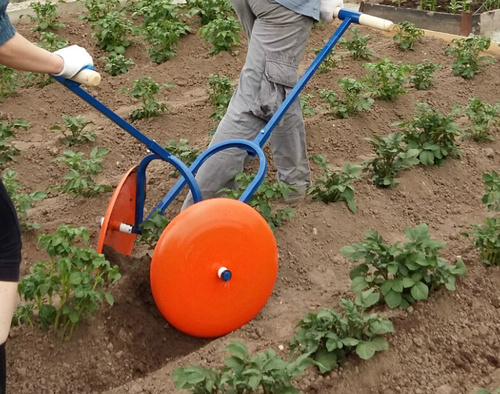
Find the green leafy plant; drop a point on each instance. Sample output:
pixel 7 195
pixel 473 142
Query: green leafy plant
pixel 23 314
pixel 8 81
pixel 408 36
pixel 79 276
pixel 98 9
pixel 223 34
pixel 79 181
pixel 357 45
pixel 458 7
pixel 486 239
pixel 402 274
pixel 329 63
pixel 220 95
pixel 117 64
pixel 356 98
pixel 491 195
pixel 209 10
pixel 22 201
pixel 51 41
pixel 430 5
pixel 152 228
pixel 111 32
pixel 482 117
pixel 262 198
pixel 45 15
pixel 466 52
pixel 243 373
pixel 484 391
pixel 330 337
pixel 392 157
pixel 183 151
pixel 145 89
pixel 386 79
pixel 432 133
pixel 8 150
pixel 422 74
pixel 335 186
pixel 307 110
pixel 73 130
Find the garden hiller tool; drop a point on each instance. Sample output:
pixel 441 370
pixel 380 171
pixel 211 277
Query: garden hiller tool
pixel 215 264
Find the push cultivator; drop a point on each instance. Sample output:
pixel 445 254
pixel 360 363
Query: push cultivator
pixel 215 264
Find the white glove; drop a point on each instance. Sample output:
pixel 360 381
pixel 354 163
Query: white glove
pixel 74 58
pixel 327 7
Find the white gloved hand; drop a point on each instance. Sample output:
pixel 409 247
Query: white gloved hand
pixel 74 58
pixel 327 7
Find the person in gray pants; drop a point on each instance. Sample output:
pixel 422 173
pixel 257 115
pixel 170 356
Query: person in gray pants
pixel 277 31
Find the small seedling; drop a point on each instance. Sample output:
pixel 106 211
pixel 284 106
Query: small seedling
pixel 98 9
pixel 117 64
pixel 358 45
pixel 386 79
pixel 45 15
pixel 22 201
pixel 329 62
pixel 146 89
pixel 422 74
pixel 392 157
pixel 330 337
pixel 183 152
pixel 482 117
pixel 403 274
pixel 8 150
pixel 466 52
pixel 307 110
pixel 73 130
pixel 223 34
pixel 51 41
pixel 356 98
pixel 486 239
pixel 335 186
pixel 261 199
pixel 243 373
pixel 408 36
pixel 492 191
pixel 432 133
pixel 76 276
pixel 220 95
pixel 79 181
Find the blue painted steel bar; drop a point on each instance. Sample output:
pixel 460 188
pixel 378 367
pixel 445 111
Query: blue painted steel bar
pixel 152 145
pixel 265 133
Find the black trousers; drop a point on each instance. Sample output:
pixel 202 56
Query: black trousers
pixel 10 239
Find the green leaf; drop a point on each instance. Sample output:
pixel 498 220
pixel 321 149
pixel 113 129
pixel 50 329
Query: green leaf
pixel 365 350
pixel 358 284
pixel 426 158
pixel 419 291
pixel 393 299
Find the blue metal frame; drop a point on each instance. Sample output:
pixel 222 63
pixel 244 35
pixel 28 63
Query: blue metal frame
pixel 253 148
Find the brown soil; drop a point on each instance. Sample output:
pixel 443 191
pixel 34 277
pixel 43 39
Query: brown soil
pixel 447 344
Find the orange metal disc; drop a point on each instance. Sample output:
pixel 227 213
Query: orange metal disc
pixel 121 209
pixel 195 248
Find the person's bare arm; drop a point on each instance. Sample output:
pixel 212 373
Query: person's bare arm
pixel 21 54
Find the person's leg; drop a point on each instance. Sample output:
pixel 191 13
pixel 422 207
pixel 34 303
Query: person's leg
pixel 277 42
pixel 10 259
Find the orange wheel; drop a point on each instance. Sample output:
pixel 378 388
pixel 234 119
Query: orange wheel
pixel 214 267
pixel 121 209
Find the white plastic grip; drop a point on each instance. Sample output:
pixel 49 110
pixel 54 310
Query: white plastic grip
pixel 87 77
pixel 371 21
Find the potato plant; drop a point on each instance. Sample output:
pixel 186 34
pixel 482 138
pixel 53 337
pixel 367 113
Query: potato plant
pixel 357 45
pixel 386 79
pixel 262 198
pixel 209 10
pixel 222 89
pixel 98 9
pixel 335 186
pixel 244 373
pixel 491 195
pixel 73 131
pixel 356 98
pixel 486 239
pixel 8 81
pixel 223 34
pixel 408 36
pixel 402 274
pixel 45 16
pixel 330 61
pixel 307 110
pixel 80 179
pixel 483 118
pixel 432 133
pixel 151 229
pixel 111 32
pixel 466 52
pixel 392 156
pixel 71 285
pixel 117 64
pixel 8 150
pixel 330 337
pixel 422 74
pixel 183 151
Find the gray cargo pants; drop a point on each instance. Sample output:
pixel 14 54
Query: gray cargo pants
pixel 277 40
